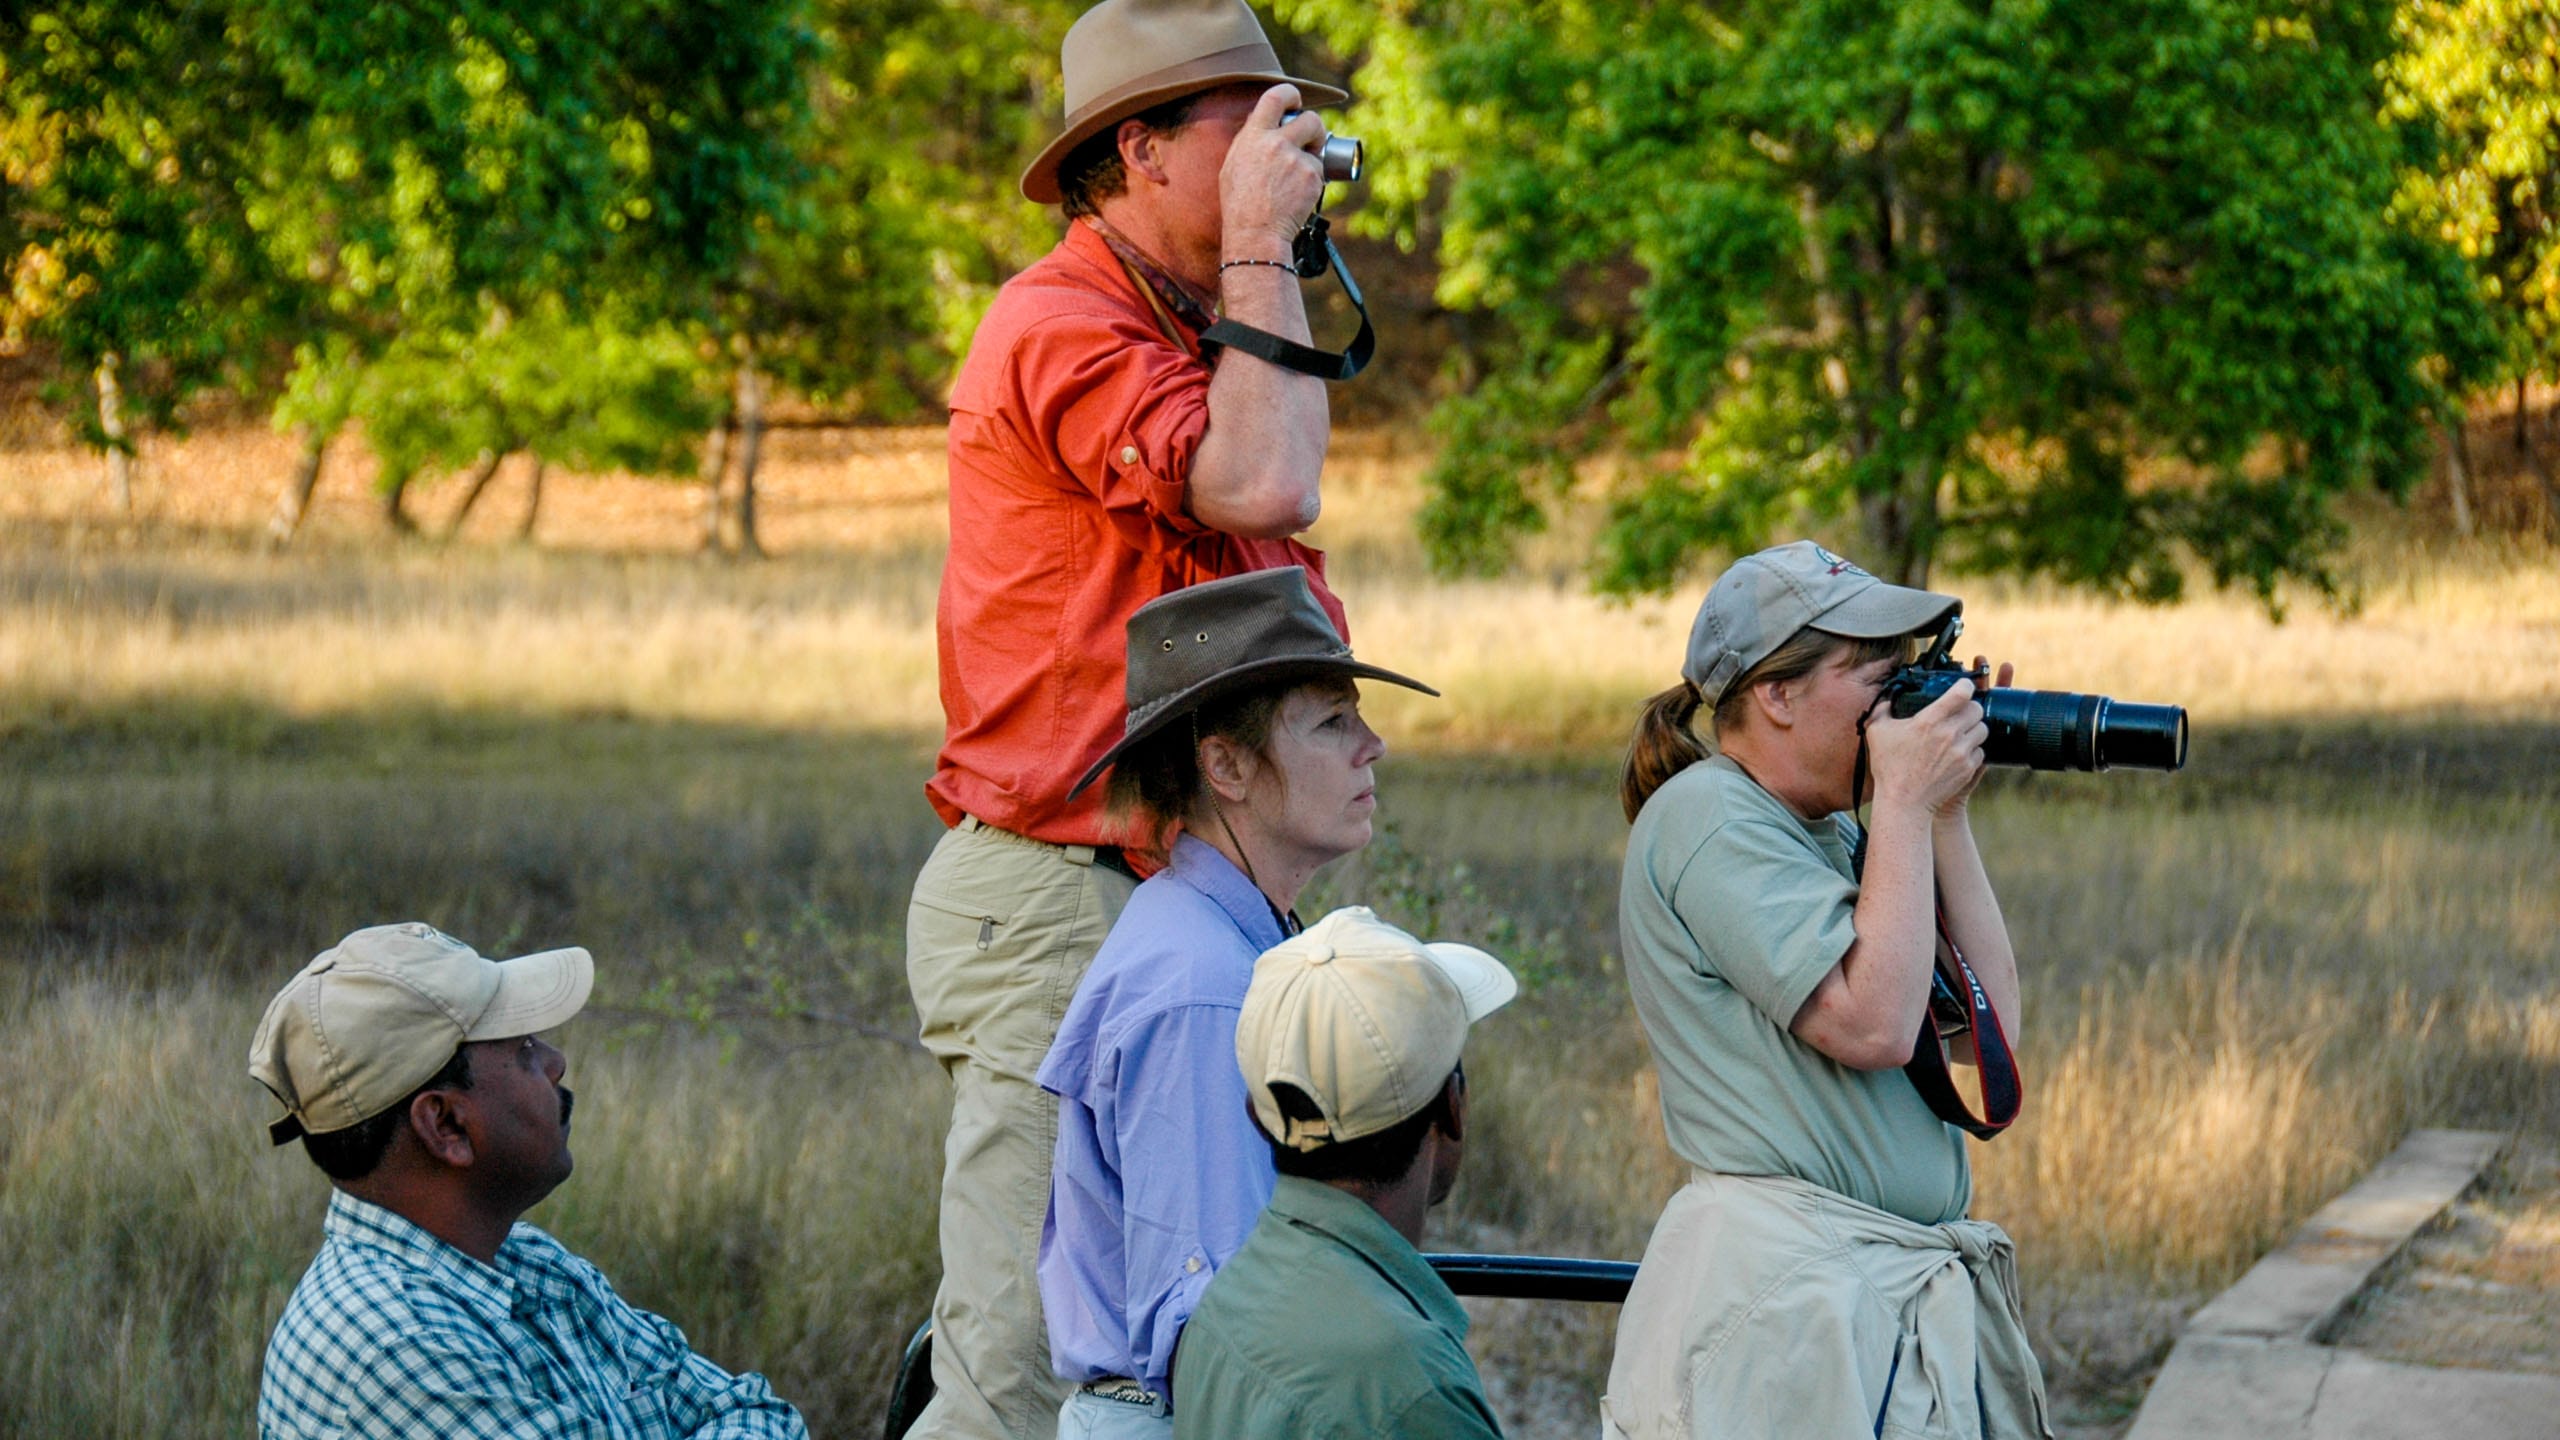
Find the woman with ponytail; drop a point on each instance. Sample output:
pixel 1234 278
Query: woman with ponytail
pixel 1818 1275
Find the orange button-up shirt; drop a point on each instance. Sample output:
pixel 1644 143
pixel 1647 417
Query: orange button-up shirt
pixel 1073 426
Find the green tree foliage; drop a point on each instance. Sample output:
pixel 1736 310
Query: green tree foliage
pixel 2478 84
pixel 863 289
pixel 128 134
pixel 2475 89
pixel 498 178
pixel 860 290
pixel 2069 287
pixel 583 394
pixel 472 152
pixel 224 189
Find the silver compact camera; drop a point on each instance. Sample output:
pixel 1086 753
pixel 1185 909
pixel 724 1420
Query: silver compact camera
pixel 1341 155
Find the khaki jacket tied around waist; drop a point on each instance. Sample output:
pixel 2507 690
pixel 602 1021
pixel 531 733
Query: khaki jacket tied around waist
pixel 1770 1307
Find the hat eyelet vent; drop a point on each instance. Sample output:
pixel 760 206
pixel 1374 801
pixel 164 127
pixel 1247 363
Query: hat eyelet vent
pixel 1168 645
pixel 1200 639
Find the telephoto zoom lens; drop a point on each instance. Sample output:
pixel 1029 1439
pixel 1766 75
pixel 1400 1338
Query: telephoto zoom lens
pixel 2057 730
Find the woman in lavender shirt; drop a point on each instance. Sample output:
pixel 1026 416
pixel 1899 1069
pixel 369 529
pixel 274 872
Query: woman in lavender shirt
pixel 1246 766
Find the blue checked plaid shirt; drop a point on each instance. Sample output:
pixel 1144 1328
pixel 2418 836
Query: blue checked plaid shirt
pixel 395 1333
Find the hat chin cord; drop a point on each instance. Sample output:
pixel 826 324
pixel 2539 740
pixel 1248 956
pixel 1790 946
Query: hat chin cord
pixel 1200 763
pixel 1288 918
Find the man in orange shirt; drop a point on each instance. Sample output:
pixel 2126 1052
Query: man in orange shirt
pixel 1098 460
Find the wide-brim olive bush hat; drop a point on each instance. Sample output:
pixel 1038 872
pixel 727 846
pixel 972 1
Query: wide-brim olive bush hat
pixel 1198 643
pixel 376 1015
pixel 1124 56
pixel 1754 607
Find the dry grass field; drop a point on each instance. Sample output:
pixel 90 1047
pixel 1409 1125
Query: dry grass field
pixel 2245 981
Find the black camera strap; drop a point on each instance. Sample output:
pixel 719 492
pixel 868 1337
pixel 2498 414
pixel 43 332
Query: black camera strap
pixel 1310 255
pixel 1952 1009
pixel 1957 1004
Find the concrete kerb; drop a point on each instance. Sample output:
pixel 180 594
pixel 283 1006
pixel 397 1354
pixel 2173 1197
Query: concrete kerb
pixel 2254 1362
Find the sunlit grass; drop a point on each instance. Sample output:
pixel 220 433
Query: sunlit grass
pixel 153 1237
pixel 845 642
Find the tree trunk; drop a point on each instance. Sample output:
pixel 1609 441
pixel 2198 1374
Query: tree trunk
pixel 1901 526
pixel 482 470
pixel 1920 527
pixel 294 500
pixel 715 469
pixel 111 425
pixel 532 501
pixel 1887 533
pixel 750 446
pixel 395 513
pixel 2457 465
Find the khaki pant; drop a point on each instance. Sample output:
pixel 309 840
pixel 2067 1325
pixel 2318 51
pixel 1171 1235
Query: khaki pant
pixel 1116 1410
pixel 1000 930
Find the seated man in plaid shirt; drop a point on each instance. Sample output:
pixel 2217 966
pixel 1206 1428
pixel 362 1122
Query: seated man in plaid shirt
pixel 414 1074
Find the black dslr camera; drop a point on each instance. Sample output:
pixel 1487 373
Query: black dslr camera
pixel 2045 729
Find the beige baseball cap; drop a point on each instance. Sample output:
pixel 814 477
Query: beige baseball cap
pixel 1362 1017
pixel 1755 606
pixel 378 1014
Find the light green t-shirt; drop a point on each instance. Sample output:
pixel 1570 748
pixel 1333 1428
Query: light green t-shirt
pixel 1731 911
pixel 1327 1325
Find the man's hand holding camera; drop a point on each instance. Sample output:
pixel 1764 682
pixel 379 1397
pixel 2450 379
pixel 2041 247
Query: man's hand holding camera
pixel 1272 180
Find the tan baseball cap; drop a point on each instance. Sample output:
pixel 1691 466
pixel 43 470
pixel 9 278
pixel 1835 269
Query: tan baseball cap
pixel 1363 1018
pixel 377 1015
pixel 1124 56
pixel 1755 606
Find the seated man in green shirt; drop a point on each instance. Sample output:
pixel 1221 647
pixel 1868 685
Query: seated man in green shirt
pixel 1328 1323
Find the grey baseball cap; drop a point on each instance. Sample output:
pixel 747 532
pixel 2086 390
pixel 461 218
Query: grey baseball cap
pixel 1763 599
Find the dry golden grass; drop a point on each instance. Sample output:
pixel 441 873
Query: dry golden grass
pixel 2244 982
pixel 842 637
pixel 153 1240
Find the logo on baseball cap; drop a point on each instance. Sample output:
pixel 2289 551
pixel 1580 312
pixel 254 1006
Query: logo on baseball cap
pixel 1765 598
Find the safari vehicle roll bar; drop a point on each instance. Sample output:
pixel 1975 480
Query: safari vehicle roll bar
pixel 1505 1277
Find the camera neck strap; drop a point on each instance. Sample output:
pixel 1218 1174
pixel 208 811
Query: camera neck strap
pixel 1311 254
pixel 1957 1005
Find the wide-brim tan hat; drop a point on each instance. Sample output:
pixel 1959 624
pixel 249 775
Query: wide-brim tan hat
pixel 1364 1020
pixel 375 1016
pixel 1198 643
pixel 1754 607
pixel 1123 56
